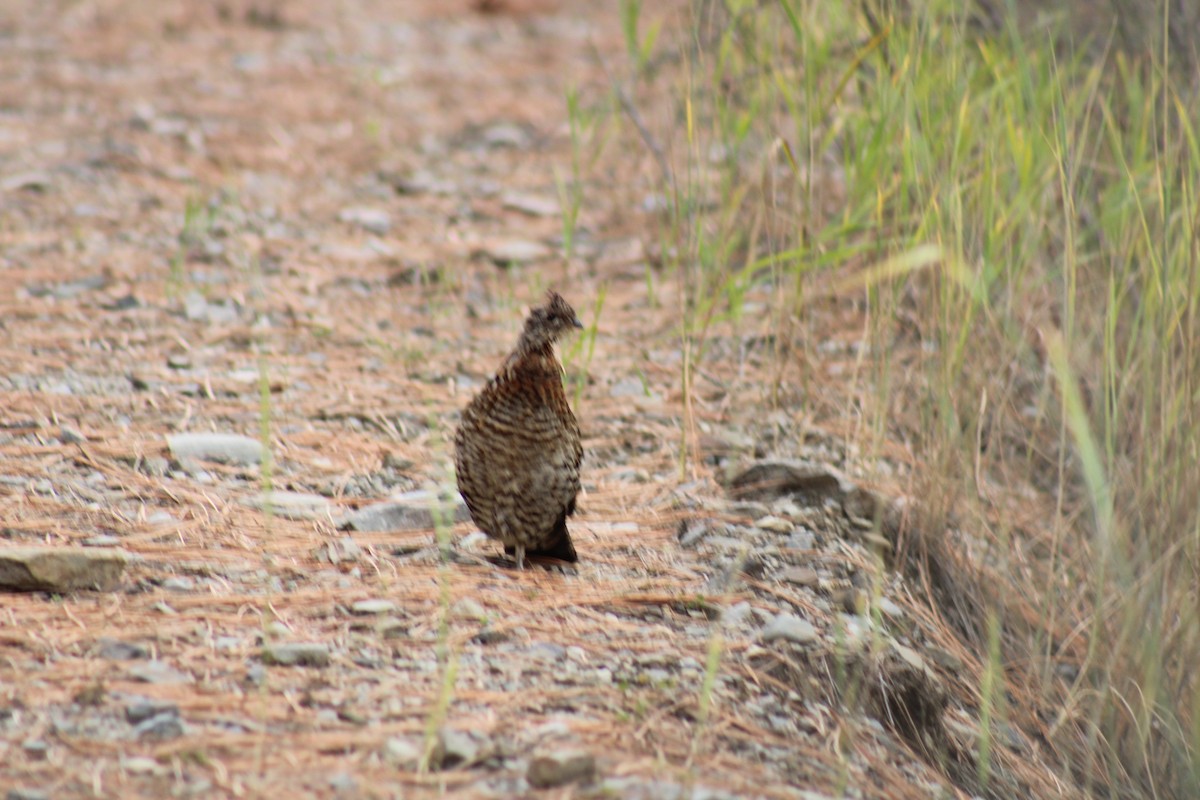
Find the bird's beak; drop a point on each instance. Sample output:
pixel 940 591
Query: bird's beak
pixel 578 324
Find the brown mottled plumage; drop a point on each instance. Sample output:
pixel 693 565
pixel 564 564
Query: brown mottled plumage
pixel 517 451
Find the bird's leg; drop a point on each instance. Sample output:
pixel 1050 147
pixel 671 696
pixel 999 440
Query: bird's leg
pixel 520 556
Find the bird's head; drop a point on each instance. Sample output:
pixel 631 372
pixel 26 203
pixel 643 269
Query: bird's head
pixel 547 324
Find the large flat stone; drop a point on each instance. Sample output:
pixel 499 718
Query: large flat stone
pixel 409 511
pixel 224 448
pixel 292 505
pixel 60 569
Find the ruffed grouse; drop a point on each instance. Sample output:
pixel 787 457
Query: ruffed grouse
pixel 517 451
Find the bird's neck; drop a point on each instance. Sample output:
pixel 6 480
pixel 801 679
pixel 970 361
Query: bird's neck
pixel 532 358
pixel 533 345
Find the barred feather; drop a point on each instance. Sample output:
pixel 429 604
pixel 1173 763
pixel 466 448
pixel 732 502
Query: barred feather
pixel 517 450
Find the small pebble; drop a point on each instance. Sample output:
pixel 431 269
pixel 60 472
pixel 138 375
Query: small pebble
pixel 801 576
pixel 404 753
pixel 790 627
pixel 159 728
pixel 774 524
pixel 560 768
pixel 469 609
pixel 179 583
pixel 143 708
pixel 158 672
pixel 369 607
pixel 303 654
pixel 27 794
pixel 35 749
pixel 454 749
pixel 117 650
pixel 343 783
pixel 140 765
pixel 69 435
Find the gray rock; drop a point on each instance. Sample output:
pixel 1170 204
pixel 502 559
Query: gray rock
pixel 256 675
pixel 408 511
pixel 298 654
pixel 374 220
pixel 633 788
pixel 856 630
pixel 159 728
pixel 728 544
pixel 546 651
pixel 472 540
pixel 123 303
pixel 454 749
pixel 344 549
pixel 343 784
pixel 69 435
pixel 27 181
pixel 467 608
pixel 488 635
pixel 226 644
pixel 802 540
pixel 505 252
pixel 655 676
pixel 140 709
pixel 404 753
pixel 532 204
pixel 629 475
pixel 910 656
pixel 158 672
pixel 221 312
pixel 691 531
pixel 117 650
pixel 889 608
pixel 801 576
pixel 506 134
pixel 807 484
pixel 736 615
pixel 27 794
pixel 35 749
pixel 424 182
pixel 392 628
pixel 774 524
pixel 368 607
pixel 560 768
pixel 69 289
pixel 104 540
pixel 292 505
pixel 195 306
pixel 179 583
pixel 790 627
pixel 155 467
pixel 142 765
pixel 224 448
pixel 60 569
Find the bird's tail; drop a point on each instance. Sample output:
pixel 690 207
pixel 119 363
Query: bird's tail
pixel 557 545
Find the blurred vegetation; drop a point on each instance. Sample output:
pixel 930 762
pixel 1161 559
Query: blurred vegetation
pixel 1008 191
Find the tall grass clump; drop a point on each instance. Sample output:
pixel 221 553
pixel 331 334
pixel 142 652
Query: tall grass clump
pixel 1014 213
